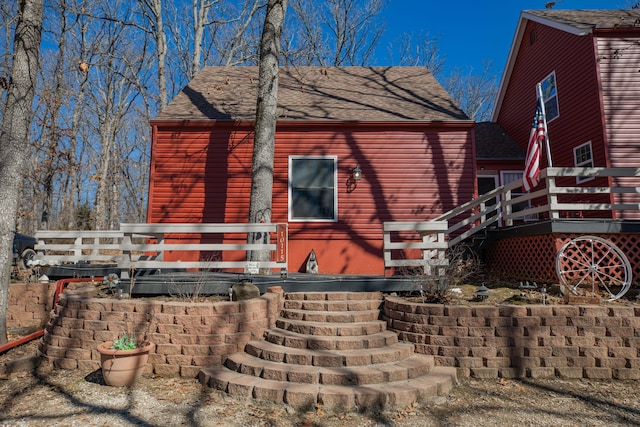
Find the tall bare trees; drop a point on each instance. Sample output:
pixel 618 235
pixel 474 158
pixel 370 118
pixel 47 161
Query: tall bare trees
pixel 14 142
pixel 335 32
pixel 110 66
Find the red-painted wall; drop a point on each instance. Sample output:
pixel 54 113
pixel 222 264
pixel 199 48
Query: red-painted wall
pixel 580 120
pixel 573 58
pixel 201 172
pixel 619 66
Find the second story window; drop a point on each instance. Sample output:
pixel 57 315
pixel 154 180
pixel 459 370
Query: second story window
pixel 583 158
pixel 550 95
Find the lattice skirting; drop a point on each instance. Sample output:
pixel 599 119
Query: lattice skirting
pixel 533 257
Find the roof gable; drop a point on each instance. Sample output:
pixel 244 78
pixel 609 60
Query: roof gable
pixel 356 94
pixel 576 22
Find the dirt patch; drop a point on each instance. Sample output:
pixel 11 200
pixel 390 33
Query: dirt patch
pixel 35 395
pixel 466 295
pixel 44 397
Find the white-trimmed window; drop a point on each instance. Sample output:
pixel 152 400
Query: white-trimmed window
pixel 583 158
pixel 313 193
pixel 550 95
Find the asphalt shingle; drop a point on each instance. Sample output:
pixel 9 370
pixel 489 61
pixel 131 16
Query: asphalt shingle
pixel 352 94
pixel 589 19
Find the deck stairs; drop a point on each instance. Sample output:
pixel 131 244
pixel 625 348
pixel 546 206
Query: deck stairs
pixel 331 350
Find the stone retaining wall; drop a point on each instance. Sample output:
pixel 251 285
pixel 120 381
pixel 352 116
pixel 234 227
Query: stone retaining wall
pixel 29 305
pixel 187 336
pixel 523 341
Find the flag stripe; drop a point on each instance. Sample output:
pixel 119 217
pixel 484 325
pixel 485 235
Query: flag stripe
pixel 536 139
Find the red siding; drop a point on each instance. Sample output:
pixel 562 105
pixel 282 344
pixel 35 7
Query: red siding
pixel 409 173
pixel 580 120
pixel 619 63
pixel 572 58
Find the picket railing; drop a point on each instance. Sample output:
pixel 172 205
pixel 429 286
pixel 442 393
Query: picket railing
pixel 557 196
pixel 162 246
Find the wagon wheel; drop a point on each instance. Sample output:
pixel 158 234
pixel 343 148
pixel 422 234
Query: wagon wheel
pixel 591 265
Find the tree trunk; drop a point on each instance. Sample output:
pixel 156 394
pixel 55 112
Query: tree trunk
pixel 14 142
pixel 265 127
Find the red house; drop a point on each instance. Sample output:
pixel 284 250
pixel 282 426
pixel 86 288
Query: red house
pixel 396 125
pixel 588 64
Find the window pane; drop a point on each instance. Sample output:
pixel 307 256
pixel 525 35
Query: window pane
pixel 509 177
pixel 549 87
pixel 551 108
pixel 312 173
pixel 312 203
pixel 550 96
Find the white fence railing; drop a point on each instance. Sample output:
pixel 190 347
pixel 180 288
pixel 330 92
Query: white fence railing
pixel 163 246
pixel 612 192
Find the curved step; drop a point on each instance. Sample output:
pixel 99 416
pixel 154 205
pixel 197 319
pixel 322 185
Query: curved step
pixel 333 296
pixel 331 329
pixel 395 393
pixel 413 367
pixel 320 305
pixel 295 340
pixel 330 316
pixel 328 358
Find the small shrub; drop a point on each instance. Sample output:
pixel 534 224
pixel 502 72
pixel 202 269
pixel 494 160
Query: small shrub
pixel 436 287
pixel 124 343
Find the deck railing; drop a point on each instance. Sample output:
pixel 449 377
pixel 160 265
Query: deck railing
pixel 605 192
pixel 166 246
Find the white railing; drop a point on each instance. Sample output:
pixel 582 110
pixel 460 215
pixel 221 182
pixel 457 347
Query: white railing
pixel 557 196
pixel 161 246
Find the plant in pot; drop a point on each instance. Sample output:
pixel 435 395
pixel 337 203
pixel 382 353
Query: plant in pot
pixel 123 360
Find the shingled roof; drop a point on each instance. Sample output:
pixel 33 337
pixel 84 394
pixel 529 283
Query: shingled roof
pixel 590 19
pixel 493 143
pixel 353 94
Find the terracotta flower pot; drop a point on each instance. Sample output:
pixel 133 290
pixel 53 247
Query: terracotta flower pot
pixel 123 367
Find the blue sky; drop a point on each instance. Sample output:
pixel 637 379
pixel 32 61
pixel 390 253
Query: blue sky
pixel 470 32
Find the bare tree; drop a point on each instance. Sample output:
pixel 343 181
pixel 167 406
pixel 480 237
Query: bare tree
pixel 14 143
pixel 474 93
pixel 417 51
pixel 336 32
pixel 265 126
pixel 154 25
pixel 118 77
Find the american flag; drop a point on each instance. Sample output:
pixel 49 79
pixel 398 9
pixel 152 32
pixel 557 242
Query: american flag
pixel 536 140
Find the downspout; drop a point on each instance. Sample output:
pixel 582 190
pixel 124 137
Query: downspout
pixel 60 285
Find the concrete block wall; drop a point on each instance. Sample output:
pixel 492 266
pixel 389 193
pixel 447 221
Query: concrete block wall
pixel 589 341
pixel 29 305
pixel 187 336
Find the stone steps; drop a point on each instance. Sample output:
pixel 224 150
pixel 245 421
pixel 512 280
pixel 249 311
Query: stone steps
pixel 349 397
pixel 412 367
pixel 330 349
pixel 328 358
pixel 295 340
pixel 330 316
pixel 332 329
pixel 314 305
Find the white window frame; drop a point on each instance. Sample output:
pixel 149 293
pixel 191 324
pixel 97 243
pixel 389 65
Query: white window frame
pixel 335 189
pixel 547 99
pixel 584 163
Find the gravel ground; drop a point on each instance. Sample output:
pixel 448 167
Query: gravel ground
pixel 45 397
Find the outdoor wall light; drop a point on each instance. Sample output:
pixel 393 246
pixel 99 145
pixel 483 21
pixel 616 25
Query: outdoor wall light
pixel 357 173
